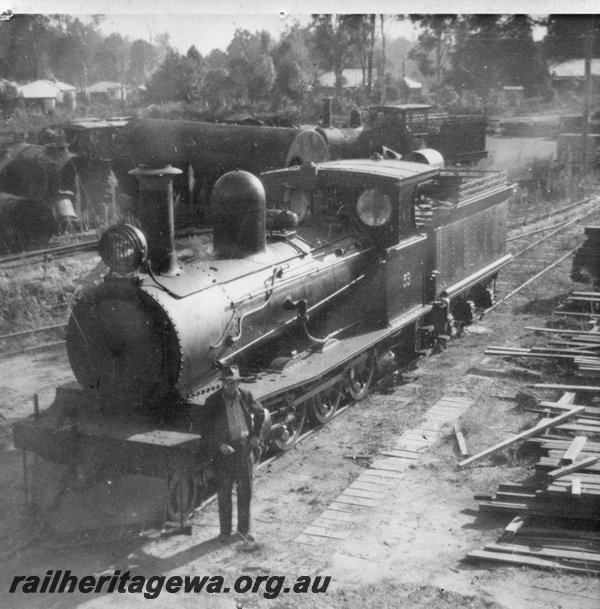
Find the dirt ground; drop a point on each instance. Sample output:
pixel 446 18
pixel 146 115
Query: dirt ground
pixel 407 552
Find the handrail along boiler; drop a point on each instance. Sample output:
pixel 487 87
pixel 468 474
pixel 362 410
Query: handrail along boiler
pixel 315 271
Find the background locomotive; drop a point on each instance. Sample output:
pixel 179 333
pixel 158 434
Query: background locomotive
pixel 37 186
pixel 204 151
pixel 57 186
pixel 315 272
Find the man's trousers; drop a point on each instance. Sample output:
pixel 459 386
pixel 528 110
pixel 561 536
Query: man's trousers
pixel 229 469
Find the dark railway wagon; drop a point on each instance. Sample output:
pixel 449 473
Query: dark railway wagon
pixel 315 271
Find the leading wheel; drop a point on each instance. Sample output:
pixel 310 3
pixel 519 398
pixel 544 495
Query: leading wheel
pixel 360 376
pixel 325 404
pixel 285 435
pixel 181 498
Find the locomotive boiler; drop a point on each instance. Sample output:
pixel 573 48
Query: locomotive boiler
pixel 315 271
pixel 205 151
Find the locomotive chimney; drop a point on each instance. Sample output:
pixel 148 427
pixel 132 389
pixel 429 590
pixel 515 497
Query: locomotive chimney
pixel 326 118
pixel 155 214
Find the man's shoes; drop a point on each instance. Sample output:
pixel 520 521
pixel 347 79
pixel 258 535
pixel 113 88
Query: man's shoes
pixel 223 537
pixel 247 537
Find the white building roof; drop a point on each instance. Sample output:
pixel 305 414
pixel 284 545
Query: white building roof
pixel 63 86
pixel 353 77
pixel 103 87
pixel 574 68
pixel 40 89
pixel 412 84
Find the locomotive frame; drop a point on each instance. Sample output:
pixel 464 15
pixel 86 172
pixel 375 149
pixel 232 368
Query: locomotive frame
pixel 292 305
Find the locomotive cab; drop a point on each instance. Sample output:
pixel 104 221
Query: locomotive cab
pixel 374 198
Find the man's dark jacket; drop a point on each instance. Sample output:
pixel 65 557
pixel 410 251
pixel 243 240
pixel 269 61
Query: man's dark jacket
pixel 216 424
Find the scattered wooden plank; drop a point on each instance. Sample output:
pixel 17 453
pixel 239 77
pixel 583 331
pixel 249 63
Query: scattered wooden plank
pixel 574 467
pixel 590 388
pixel 356 492
pixel 322 532
pixel 576 486
pixel 526 434
pixel 400 454
pixel 358 501
pixel 574 314
pixel 384 473
pixel 332 524
pixel 531 561
pixel 576 427
pixel 554 532
pixel 559 331
pixel 593 479
pixel 391 464
pixel 460 438
pixel 584 491
pixel 514 526
pixel 589 410
pixel 589 557
pixel 337 506
pixel 311 540
pixel 573 451
pixel 371 477
pixel 551 464
pixel 340 516
pixel 568 397
pixel 363 485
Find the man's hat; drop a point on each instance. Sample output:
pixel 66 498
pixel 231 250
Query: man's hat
pixel 231 373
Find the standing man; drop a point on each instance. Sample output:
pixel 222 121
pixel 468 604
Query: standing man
pixel 235 421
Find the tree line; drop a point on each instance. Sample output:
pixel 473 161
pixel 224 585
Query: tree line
pixel 455 54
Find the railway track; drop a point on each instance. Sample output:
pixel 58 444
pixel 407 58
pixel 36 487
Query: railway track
pixel 540 247
pixel 61 251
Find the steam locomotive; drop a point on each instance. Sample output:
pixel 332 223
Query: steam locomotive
pixel 315 272
pixel 37 186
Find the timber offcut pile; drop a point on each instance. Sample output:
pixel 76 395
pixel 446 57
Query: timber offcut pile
pixel 556 516
pixel 579 348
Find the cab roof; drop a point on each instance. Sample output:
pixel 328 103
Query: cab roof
pixel 352 172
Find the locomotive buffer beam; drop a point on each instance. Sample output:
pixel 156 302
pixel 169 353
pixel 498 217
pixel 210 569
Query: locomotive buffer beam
pixel 134 446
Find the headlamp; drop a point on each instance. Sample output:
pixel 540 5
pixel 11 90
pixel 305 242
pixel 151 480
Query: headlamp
pixel 123 248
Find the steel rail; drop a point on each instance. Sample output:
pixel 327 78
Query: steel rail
pixel 555 212
pixel 548 267
pixel 61 250
pixel 558 230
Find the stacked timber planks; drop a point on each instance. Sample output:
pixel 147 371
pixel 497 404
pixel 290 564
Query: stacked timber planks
pixel 546 543
pixel 564 493
pixel 578 347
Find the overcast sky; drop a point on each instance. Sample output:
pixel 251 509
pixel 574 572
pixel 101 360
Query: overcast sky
pixel 210 24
